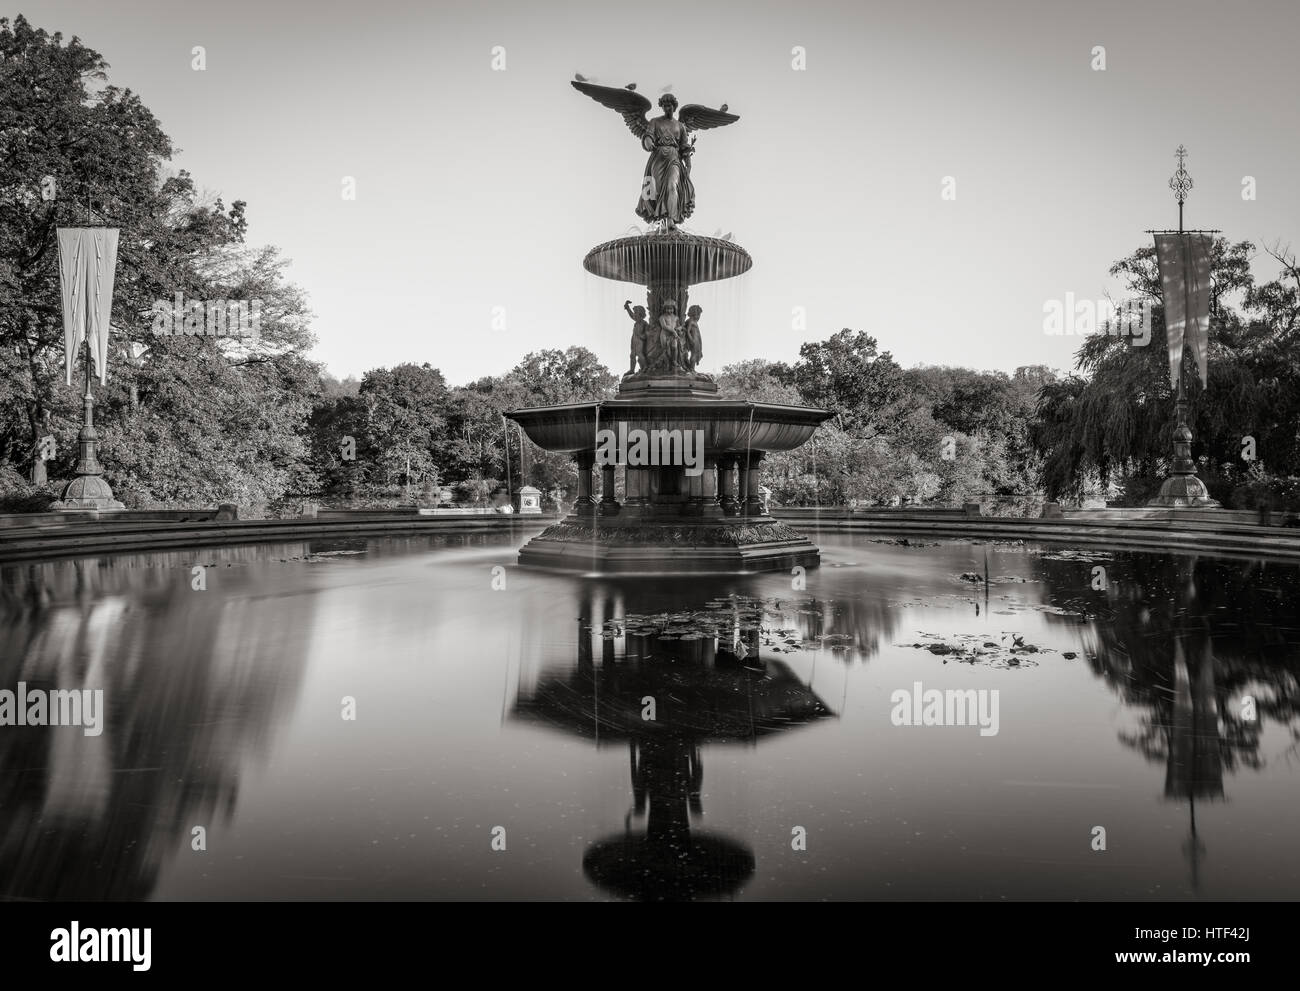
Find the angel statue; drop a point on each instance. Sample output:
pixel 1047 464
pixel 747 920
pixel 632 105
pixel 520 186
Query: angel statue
pixel 667 194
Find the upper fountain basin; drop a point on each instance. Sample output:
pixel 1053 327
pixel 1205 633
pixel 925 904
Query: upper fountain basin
pixel 673 256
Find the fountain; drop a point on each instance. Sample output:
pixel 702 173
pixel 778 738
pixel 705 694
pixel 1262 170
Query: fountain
pixel 690 460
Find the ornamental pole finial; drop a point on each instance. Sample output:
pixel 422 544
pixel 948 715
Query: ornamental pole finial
pixel 1181 182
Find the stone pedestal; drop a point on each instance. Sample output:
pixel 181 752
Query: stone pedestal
pixel 88 490
pixel 1182 489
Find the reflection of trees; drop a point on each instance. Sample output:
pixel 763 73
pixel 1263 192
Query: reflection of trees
pixel 859 624
pixel 1185 639
pixel 193 685
pixel 704 691
pixel 1182 641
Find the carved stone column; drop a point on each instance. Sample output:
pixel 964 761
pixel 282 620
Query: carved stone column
pixel 752 499
pixel 701 490
pixel 637 483
pixel 727 485
pixel 586 502
pixel 608 504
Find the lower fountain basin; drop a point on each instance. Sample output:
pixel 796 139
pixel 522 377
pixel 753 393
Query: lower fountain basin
pixel 728 425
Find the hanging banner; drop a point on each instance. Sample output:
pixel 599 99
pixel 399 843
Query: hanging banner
pixel 87 263
pixel 1184 261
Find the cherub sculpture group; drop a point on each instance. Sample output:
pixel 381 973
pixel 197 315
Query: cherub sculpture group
pixel 671 346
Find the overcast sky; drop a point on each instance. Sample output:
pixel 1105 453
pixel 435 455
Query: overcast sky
pixel 479 188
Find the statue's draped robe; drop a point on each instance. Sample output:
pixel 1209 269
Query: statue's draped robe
pixel 666 190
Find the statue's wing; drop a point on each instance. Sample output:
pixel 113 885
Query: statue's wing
pixel 629 103
pixel 698 118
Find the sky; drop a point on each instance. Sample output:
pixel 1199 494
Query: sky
pixel 478 190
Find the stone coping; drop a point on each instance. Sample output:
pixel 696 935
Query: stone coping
pixel 1219 532
pixel 105 535
pixel 32 536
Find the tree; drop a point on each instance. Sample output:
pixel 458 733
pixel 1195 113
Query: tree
pixel 572 375
pixel 757 380
pixel 1114 416
pixel 406 418
pixel 848 376
pixel 184 418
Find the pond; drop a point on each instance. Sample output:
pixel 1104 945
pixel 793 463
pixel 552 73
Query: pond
pixel 419 718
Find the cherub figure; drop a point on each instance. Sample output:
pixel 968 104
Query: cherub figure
pixel 640 334
pixel 670 338
pixel 694 343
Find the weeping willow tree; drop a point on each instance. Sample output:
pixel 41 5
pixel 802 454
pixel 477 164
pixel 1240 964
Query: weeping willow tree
pixel 1113 418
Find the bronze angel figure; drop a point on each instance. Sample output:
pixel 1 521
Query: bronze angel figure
pixel 667 193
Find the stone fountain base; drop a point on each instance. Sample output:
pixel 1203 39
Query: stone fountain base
pixel 728 544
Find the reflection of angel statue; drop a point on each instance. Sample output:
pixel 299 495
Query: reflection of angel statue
pixel 667 194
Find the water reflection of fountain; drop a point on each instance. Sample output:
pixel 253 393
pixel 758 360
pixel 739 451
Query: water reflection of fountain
pixel 1185 640
pixel 193 686
pixel 666 700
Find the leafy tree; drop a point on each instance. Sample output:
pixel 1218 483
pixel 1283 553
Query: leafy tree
pixel 848 376
pixel 758 380
pixel 1115 416
pixel 183 418
pixel 406 418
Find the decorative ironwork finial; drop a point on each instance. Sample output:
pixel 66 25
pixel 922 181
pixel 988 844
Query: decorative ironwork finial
pixel 1181 182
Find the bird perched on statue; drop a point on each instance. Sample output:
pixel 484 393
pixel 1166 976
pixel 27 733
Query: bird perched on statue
pixel 723 108
pixel 583 79
pixel 727 236
pixel 630 86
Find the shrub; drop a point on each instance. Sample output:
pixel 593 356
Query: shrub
pixel 17 495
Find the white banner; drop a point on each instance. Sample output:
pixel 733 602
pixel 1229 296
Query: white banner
pixel 87 262
pixel 1184 261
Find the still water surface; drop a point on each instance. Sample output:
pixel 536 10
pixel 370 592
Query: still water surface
pixel 1163 707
